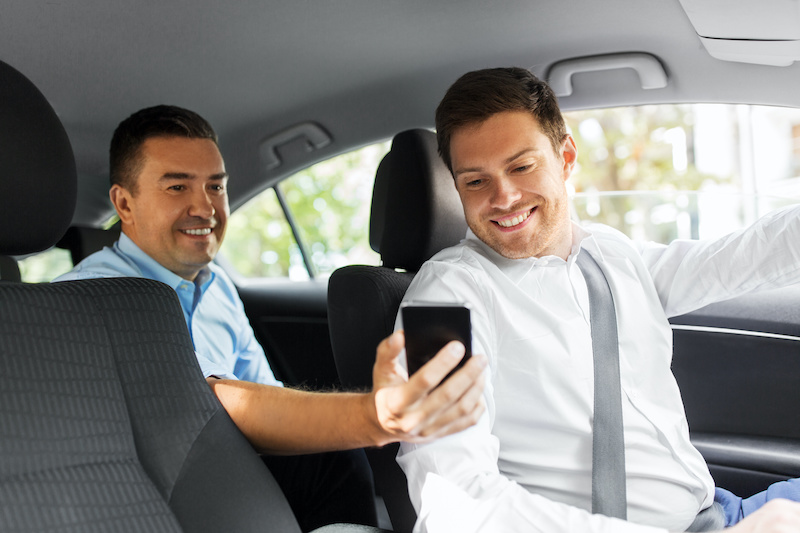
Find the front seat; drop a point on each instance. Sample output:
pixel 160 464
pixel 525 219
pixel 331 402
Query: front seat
pixel 416 212
pixel 106 422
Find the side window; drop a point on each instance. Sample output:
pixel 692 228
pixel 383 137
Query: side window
pixel 259 242
pixel 45 266
pixel 316 220
pixel 662 172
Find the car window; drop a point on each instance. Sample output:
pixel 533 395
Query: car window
pixel 317 220
pixel 662 172
pixel 45 266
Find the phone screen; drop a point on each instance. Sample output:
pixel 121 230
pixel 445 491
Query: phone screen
pixel 430 326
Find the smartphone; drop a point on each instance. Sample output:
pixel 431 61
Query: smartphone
pixel 429 326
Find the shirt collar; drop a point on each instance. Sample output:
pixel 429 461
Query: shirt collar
pixel 582 239
pixel 152 269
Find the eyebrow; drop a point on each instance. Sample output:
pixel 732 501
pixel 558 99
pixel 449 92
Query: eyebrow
pixel 169 176
pixel 508 160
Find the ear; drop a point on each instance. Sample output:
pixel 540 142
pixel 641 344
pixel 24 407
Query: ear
pixel 121 198
pixel 569 154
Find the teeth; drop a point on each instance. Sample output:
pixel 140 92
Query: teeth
pixel 511 222
pixel 204 231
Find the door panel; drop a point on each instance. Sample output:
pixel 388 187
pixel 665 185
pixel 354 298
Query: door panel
pixel 738 367
pixel 290 320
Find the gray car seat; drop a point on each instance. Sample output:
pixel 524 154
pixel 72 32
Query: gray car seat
pixel 416 212
pixel 106 422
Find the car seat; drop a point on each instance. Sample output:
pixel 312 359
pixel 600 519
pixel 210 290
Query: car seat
pixel 106 422
pixel 9 269
pixel 415 213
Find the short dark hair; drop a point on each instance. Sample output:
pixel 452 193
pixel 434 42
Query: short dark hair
pixel 478 95
pixel 125 160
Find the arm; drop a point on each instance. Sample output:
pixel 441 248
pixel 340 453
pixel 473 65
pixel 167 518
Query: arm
pixel 285 421
pixel 691 274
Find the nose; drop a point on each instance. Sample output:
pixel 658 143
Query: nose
pixel 504 192
pixel 202 205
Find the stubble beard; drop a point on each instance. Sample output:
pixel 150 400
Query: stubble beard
pixel 552 228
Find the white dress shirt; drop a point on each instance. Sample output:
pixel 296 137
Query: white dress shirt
pixel 526 466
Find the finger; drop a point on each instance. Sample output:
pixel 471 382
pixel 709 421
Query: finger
pixel 390 347
pixel 434 371
pixel 457 404
pixel 387 369
pixel 467 377
pixel 458 417
pixel 458 424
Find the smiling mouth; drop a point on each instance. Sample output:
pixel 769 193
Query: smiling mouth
pixel 516 221
pixel 198 232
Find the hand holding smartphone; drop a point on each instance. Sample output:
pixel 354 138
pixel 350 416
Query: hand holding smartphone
pixel 429 326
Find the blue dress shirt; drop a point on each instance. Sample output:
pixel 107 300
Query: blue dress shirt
pixel 223 339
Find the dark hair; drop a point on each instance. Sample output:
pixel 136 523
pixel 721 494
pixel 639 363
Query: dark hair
pixel 478 95
pixel 125 158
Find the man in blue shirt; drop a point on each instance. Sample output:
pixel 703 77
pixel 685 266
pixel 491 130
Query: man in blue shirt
pixel 169 188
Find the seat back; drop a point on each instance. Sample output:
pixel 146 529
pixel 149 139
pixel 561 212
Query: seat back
pixel 416 212
pixel 106 422
pixel 9 269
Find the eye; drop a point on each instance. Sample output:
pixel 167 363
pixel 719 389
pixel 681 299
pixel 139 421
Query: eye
pixel 521 168
pixel 177 187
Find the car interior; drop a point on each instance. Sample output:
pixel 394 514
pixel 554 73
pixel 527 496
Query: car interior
pixel 108 423
pixel 99 427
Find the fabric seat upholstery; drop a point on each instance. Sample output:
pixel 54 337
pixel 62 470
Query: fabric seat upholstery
pixel 416 212
pixel 108 424
pixel 9 270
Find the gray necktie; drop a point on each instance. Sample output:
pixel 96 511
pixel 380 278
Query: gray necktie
pixel 608 444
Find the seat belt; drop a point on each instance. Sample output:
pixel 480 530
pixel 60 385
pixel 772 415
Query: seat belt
pixel 609 495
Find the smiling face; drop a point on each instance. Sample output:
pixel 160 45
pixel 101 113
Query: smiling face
pixel 513 185
pixel 178 213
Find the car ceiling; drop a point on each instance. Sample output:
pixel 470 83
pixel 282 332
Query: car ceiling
pixel 361 69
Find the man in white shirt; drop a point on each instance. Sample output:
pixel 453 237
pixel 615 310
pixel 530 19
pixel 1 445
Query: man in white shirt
pixel 527 465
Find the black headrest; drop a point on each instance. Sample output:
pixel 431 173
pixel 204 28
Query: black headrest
pixel 37 168
pixel 416 210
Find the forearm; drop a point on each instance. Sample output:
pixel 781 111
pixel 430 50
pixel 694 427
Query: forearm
pixel 691 274
pixel 285 421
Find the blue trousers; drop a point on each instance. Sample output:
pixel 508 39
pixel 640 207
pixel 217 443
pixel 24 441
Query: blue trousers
pixel 737 508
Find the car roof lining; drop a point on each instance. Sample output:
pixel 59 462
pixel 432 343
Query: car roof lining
pixel 362 70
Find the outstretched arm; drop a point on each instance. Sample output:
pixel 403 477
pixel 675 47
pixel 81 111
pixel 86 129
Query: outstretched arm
pixel 285 421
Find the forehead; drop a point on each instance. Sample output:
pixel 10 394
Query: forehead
pixel 498 136
pixel 196 157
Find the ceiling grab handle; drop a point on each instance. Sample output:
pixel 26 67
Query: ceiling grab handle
pixel 313 134
pixel 650 70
